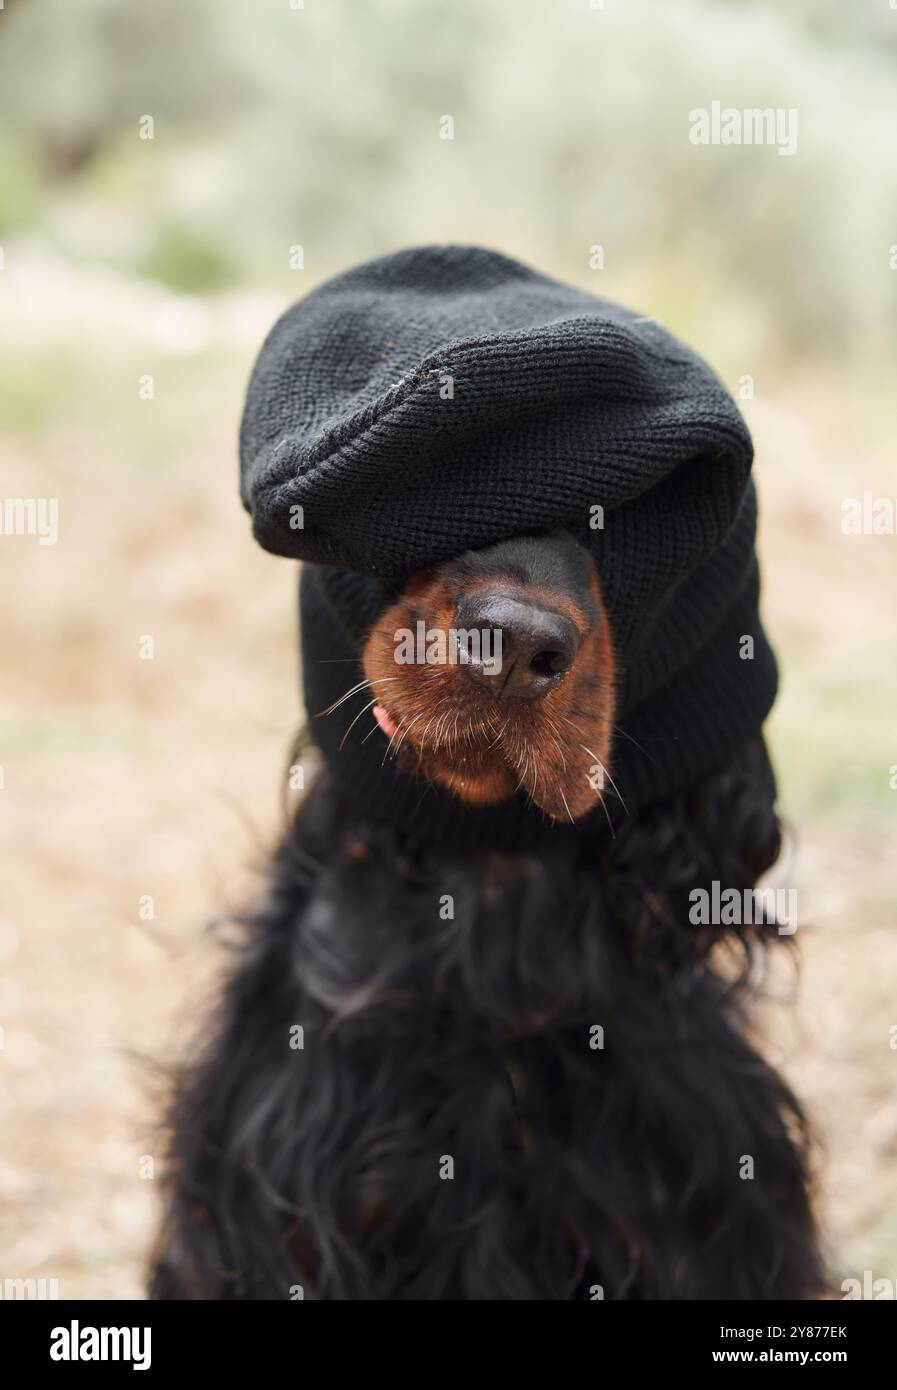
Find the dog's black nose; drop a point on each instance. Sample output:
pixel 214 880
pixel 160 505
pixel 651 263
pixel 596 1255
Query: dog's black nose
pixel 514 648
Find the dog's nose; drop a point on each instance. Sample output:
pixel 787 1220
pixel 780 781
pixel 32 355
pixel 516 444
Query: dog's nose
pixel 514 648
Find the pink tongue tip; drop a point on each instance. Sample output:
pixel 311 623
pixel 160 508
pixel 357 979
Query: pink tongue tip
pixel 386 722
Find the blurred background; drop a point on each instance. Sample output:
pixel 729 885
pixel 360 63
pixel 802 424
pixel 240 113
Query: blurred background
pixel 173 175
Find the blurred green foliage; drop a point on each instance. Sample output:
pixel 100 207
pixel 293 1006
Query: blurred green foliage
pixel 187 259
pixel 318 126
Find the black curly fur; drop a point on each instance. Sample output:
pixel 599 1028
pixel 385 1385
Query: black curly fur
pixel 425 1039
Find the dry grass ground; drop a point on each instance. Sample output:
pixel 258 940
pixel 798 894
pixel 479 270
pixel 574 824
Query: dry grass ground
pixel 126 777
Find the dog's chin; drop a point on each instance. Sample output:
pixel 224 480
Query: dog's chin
pixel 488 761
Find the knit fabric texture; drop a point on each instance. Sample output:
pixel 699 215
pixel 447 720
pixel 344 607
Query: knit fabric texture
pixel 440 399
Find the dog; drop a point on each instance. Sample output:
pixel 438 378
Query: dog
pixel 489 1075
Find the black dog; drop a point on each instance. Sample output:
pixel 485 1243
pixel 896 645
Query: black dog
pixel 444 1075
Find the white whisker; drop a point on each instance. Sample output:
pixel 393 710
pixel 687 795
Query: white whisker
pixel 605 773
pixel 354 691
pixel 355 721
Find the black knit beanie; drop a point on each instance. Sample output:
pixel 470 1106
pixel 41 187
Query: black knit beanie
pixel 443 398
